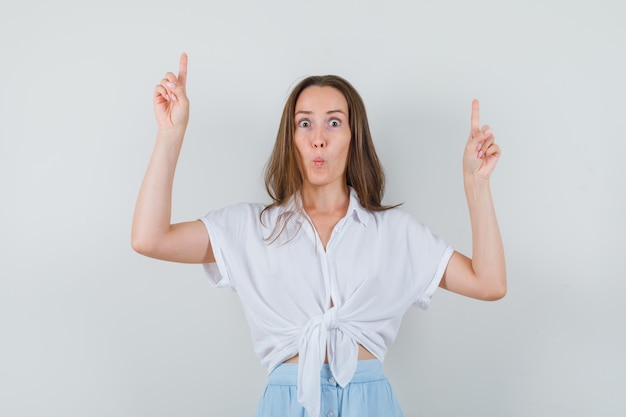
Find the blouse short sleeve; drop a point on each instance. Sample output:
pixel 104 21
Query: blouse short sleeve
pixel 428 258
pixel 229 230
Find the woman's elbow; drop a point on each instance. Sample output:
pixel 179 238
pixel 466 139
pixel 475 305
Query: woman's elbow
pixel 497 295
pixel 496 291
pixel 142 245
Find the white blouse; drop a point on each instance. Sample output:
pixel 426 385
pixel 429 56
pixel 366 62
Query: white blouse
pixel 375 266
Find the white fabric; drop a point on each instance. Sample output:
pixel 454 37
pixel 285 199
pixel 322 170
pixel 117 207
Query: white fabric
pixel 375 266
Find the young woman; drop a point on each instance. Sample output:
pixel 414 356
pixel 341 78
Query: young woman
pixel 326 272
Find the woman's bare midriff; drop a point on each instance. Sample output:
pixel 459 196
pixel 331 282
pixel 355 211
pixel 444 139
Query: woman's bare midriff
pixel 364 354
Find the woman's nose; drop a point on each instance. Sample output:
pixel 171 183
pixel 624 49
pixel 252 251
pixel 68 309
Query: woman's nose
pixel 319 141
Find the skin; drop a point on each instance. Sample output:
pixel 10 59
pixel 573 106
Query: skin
pixel 152 233
pixel 322 140
pixel 484 275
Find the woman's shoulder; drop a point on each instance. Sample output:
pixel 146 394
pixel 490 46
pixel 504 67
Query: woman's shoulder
pixel 237 211
pixel 398 220
pixel 392 215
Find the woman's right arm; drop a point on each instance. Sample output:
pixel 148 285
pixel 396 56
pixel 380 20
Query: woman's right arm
pixel 152 233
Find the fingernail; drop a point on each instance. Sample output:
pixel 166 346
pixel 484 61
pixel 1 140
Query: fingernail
pixel 479 146
pixel 171 84
pixel 488 132
pixel 480 154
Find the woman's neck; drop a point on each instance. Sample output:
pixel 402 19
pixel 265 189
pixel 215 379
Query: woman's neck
pixel 325 200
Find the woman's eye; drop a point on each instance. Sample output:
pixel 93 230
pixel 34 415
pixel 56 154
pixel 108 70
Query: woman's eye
pixel 334 123
pixel 304 123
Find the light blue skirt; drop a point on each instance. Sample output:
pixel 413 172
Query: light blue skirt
pixel 369 394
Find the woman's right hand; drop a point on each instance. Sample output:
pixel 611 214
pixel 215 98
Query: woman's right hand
pixel 171 105
pixel 152 233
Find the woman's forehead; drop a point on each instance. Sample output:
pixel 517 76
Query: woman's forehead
pixel 321 99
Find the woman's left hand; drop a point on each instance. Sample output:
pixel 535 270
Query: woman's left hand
pixel 481 152
pixel 484 275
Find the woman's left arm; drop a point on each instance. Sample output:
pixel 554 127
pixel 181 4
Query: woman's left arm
pixel 484 275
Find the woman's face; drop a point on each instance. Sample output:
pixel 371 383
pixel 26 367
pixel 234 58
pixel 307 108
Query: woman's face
pixel 322 135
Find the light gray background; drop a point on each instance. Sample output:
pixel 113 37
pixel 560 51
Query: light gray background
pixel 89 328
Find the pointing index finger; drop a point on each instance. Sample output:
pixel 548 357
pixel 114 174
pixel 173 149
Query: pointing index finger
pixel 475 125
pixel 182 69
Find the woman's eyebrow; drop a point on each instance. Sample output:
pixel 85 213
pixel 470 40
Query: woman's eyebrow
pixel 328 112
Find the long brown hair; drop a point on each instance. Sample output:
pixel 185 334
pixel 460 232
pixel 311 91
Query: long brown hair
pixel 364 173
